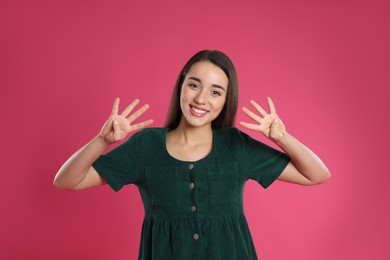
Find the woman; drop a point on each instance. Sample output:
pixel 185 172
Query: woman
pixel 191 174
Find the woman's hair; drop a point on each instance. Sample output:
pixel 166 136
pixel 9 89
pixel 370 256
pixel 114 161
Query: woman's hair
pixel 228 113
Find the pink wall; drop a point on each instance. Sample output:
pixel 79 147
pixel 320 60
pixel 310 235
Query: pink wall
pixel 325 63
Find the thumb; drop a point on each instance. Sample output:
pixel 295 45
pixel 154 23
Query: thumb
pixel 116 130
pixel 277 129
pixel 278 123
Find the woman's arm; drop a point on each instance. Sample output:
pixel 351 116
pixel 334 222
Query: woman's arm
pixel 77 172
pixel 306 167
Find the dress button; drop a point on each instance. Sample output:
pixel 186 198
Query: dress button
pixel 196 236
pixel 191 166
pixel 193 208
pixel 192 185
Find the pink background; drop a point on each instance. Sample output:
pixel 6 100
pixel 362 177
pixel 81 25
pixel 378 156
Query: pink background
pixel 325 63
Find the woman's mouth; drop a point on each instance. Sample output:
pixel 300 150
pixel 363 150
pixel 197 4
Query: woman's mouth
pixel 196 111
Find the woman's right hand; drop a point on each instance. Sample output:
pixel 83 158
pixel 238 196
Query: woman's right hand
pixel 117 127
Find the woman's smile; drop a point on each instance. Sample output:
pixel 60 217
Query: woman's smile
pixel 197 111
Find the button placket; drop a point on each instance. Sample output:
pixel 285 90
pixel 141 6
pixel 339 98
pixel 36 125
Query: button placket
pixel 193 207
pixel 192 187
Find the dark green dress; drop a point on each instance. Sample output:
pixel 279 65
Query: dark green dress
pixel 193 210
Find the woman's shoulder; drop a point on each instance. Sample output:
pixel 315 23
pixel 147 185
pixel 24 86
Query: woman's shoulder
pixel 149 135
pixel 227 136
pixel 234 136
pixel 228 132
pixel 153 131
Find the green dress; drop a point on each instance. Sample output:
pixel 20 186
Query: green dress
pixel 193 210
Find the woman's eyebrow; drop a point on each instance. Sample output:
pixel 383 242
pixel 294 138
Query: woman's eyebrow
pixel 196 79
pixel 218 86
pixel 214 85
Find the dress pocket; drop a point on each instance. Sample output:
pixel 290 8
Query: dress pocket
pixel 162 184
pixel 223 183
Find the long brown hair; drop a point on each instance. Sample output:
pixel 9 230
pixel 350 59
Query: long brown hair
pixel 227 116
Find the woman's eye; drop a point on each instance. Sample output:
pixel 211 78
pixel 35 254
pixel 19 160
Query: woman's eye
pixel 216 93
pixel 193 85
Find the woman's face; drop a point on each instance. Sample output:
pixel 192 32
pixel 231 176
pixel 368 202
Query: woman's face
pixel 203 93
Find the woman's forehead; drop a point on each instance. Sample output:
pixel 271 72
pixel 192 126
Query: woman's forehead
pixel 207 72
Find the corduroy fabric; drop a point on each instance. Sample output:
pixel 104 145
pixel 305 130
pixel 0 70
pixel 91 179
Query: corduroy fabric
pixel 193 210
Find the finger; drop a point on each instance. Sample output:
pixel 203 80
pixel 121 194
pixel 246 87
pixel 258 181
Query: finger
pixel 271 106
pixel 251 115
pixel 249 126
pixel 115 107
pixel 258 108
pixel 138 113
pixel 141 125
pixel 130 108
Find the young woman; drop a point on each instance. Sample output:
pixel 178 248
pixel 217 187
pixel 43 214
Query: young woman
pixel 191 174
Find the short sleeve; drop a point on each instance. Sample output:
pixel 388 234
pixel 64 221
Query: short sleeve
pixel 119 166
pixel 259 161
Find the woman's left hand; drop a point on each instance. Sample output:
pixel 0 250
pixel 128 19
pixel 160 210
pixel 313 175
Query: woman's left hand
pixel 267 123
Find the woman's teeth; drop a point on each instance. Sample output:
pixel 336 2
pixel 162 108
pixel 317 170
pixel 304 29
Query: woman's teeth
pixel 199 111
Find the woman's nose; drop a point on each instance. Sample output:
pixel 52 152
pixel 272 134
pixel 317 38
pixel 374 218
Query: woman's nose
pixel 201 98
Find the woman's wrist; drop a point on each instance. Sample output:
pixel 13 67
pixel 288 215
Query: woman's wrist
pixel 281 141
pixel 101 142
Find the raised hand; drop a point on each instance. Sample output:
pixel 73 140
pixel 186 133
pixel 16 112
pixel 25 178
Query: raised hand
pixel 118 126
pixel 267 123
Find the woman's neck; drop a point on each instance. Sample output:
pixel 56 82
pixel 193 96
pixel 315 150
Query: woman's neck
pixel 189 143
pixel 192 135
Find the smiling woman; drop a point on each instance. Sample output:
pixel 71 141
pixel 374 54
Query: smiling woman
pixel 222 62
pixel 191 173
pixel 203 94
